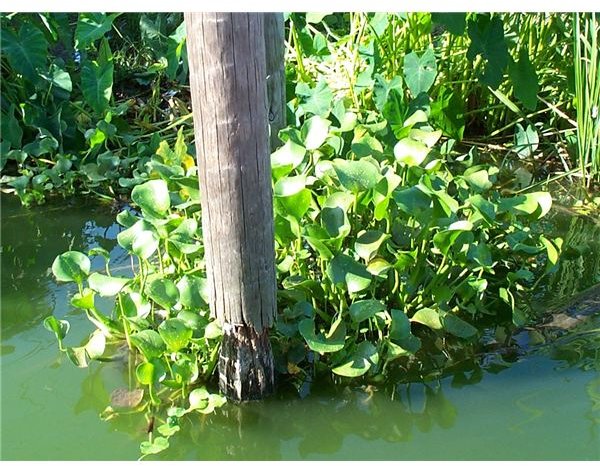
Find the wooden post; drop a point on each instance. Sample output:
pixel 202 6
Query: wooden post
pixel 275 50
pixel 226 54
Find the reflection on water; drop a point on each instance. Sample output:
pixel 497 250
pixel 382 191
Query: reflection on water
pixel 579 267
pixel 495 405
pixel 31 239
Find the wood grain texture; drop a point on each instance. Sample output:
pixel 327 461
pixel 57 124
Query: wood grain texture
pixel 226 53
pixel 275 55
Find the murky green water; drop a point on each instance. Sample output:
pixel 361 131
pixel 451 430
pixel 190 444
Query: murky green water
pixel 544 406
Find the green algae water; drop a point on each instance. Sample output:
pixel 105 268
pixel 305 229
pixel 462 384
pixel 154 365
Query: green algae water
pixel 542 405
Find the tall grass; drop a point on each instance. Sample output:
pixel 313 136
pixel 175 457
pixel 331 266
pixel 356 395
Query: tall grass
pixel 587 93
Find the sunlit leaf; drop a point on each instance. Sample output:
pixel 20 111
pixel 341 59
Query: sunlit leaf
pixel 175 333
pixel 320 342
pixel 343 270
pixel 152 197
pixel 428 317
pixel 420 71
pixel 314 132
pixel 356 175
pixel 106 285
pixel 71 266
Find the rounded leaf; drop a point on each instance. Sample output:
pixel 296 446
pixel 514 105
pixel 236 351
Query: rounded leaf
pixel 321 343
pixel 365 309
pixel 344 270
pixel 359 362
pixel 356 175
pixel 140 239
pixel 106 285
pixel 410 152
pixel 175 333
pixel 152 197
pixel 163 292
pixel 149 342
pixel 71 266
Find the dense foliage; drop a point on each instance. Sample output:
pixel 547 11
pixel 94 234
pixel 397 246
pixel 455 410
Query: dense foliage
pixel 398 235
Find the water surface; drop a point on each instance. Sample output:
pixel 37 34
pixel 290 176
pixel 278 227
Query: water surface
pixel 543 406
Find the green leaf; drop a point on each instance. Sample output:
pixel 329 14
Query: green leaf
pixel 156 446
pixel 106 285
pixel 359 362
pixel 478 179
pixel 140 239
pixel 334 214
pixel 175 333
pixel 487 40
pixel 286 158
pixel 410 152
pixel 11 131
pixel 315 100
pixel 77 356
pixel 524 79
pixel 84 300
pixel 455 23
pixel 458 327
pixel 383 88
pixel 192 320
pixel 60 328
pixel 444 239
pixel 429 138
pixel 213 330
pixel 27 52
pixel 198 398
pixel 538 203
pixel 343 270
pixel 152 197
pixel 420 72
pixel 486 208
pixel 356 175
pixel 184 236
pixel 314 132
pixel 71 266
pixel 365 309
pixel 526 141
pixel 428 317
pixel 551 251
pixel 296 205
pixel 59 78
pixel 163 292
pixel 322 343
pixel 368 243
pixel 97 79
pixel 400 328
pixel 135 305
pixel 149 342
pixel 91 27
pixel 412 201
pixel 312 17
pixel 193 292
pixel 289 186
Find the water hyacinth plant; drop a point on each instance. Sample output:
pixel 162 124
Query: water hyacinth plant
pixel 380 248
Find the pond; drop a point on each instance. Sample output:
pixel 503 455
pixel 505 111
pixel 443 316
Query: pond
pixel 544 404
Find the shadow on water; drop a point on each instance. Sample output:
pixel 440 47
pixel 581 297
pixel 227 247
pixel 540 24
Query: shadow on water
pixel 484 405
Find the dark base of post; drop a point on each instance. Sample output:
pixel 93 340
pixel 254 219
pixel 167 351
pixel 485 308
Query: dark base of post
pixel 245 363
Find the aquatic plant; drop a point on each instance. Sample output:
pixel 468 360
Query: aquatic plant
pixel 383 243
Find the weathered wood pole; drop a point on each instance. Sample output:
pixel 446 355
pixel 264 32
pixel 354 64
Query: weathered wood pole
pixel 226 54
pixel 275 52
